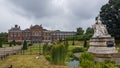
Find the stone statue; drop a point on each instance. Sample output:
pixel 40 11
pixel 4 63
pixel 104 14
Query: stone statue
pixel 100 29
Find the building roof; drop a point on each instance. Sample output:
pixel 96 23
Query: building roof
pixel 16 28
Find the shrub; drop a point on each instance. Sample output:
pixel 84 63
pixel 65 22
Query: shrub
pixel 86 60
pixel 1 45
pixel 85 43
pixel 24 45
pixel 10 44
pixel 46 49
pixel 70 56
pixel 18 43
pixel 58 54
pixel 78 49
pixel 48 57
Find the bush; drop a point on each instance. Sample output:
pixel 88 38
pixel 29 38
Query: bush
pixel 58 54
pixel 78 49
pixel 14 42
pixel 46 49
pixel 48 57
pixel 30 44
pixel 18 43
pixel 86 60
pixel 25 45
pixel 70 56
pixel 10 44
pixel 1 45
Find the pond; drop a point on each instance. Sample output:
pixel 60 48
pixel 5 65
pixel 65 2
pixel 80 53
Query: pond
pixel 74 64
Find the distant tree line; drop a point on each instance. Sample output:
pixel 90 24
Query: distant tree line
pixel 82 34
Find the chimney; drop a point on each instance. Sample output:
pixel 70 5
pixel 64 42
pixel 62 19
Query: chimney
pixel 16 26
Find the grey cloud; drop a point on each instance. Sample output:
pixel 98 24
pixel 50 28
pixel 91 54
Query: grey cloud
pixel 36 8
pixel 53 14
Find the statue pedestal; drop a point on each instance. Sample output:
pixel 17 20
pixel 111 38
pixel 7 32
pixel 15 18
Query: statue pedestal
pixel 103 45
pixel 103 48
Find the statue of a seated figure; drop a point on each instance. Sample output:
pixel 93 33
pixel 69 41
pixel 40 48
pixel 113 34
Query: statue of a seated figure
pixel 100 29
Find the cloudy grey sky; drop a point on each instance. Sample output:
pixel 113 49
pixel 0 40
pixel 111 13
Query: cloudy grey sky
pixel 65 15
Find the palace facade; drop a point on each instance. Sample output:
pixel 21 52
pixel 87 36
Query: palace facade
pixel 36 34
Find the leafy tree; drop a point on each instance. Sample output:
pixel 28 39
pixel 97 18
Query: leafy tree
pixel 1 41
pixel 0 45
pixel 10 44
pixel 110 16
pixel 4 37
pixel 14 42
pixel 25 45
pixel 85 43
pixel 89 30
pixel 80 31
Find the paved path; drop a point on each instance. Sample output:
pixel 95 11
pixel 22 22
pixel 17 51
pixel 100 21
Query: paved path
pixel 4 52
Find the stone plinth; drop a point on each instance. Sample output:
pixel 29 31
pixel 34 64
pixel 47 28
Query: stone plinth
pixel 103 45
pixel 103 48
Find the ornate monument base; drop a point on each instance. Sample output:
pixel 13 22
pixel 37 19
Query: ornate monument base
pixel 104 49
pixel 103 45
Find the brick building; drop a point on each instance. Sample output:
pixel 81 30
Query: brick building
pixel 36 34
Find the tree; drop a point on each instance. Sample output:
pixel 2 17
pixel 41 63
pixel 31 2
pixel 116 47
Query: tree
pixel 80 31
pixel 1 41
pixel 10 44
pixel 110 16
pixel 4 37
pixel 85 43
pixel 14 43
pixel 25 45
pixel 89 30
pixel 0 45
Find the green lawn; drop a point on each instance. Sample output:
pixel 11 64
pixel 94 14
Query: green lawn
pixel 27 61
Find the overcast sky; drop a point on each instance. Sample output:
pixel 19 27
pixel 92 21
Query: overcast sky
pixel 64 15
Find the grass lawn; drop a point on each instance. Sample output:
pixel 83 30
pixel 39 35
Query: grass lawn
pixel 27 61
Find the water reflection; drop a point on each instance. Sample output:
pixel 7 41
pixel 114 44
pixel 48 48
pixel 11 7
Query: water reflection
pixel 74 64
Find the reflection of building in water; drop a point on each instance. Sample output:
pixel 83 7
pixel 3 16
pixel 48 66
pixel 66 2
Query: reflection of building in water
pixel 36 34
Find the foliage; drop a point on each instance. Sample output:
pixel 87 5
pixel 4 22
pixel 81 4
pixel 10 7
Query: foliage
pixel 58 54
pixel 85 43
pixel 14 42
pixel 80 31
pixel 46 49
pixel 0 45
pixel 10 44
pixel 4 37
pixel 73 43
pixel 66 44
pixel 70 56
pixel 80 37
pixel 25 45
pixel 78 49
pixel 89 30
pixel 48 57
pixel 110 16
pixel 86 60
